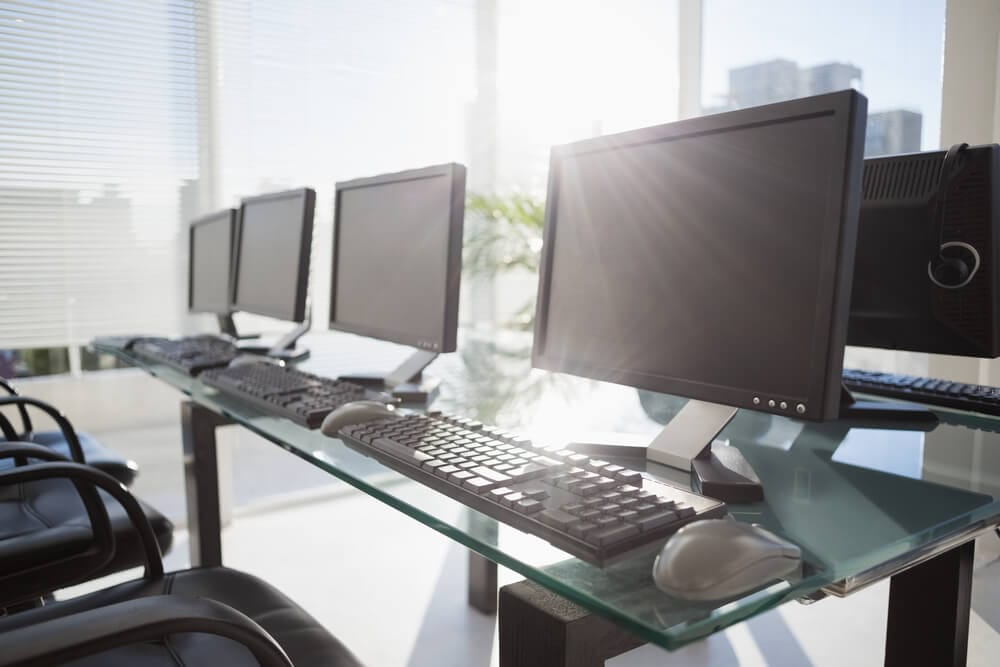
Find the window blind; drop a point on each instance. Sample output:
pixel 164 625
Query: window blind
pixel 98 166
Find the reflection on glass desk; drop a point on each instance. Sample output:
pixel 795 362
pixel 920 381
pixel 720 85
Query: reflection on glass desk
pixel 861 503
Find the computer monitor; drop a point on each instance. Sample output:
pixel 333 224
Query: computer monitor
pixel 912 216
pixel 710 258
pixel 397 262
pixel 210 247
pixel 271 260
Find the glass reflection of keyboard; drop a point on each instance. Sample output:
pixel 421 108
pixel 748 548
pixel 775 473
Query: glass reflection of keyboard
pixel 592 509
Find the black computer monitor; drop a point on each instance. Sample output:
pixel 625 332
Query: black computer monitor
pixel 210 247
pixel 271 259
pixel 710 258
pixel 397 262
pixel 912 217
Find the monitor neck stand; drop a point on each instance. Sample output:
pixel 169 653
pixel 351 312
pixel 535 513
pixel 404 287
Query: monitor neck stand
pixel 284 348
pixel 227 327
pixel 407 382
pixel 685 443
pixel 884 414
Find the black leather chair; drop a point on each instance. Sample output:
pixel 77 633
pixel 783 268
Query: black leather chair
pixel 55 533
pixel 91 450
pixel 202 616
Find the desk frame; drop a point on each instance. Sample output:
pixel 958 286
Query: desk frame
pixel 929 603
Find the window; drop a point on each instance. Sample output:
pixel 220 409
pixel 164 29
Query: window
pixel 758 52
pixel 98 148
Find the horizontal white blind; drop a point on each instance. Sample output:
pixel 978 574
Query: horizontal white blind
pixel 98 166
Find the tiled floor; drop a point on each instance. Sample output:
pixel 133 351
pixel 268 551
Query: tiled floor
pixel 394 590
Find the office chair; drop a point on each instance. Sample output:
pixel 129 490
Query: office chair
pixel 91 450
pixel 54 532
pixel 212 615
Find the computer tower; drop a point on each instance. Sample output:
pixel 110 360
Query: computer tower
pixel 895 303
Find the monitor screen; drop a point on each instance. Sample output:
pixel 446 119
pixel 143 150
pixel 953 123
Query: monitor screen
pixel 709 258
pixel 397 256
pixel 210 262
pixel 272 254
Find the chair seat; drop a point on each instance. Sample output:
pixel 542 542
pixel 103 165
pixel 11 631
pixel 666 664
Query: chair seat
pixel 94 453
pixel 46 519
pixel 305 641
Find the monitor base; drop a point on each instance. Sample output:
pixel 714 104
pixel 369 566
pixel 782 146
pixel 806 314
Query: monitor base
pixel 685 443
pixel 885 415
pixel 420 390
pixel 723 473
pixel 286 355
pixel 407 382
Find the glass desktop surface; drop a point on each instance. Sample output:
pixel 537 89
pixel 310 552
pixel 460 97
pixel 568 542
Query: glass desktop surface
pixel 861 503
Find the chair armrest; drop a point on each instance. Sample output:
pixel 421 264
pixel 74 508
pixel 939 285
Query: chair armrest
pixel 81 474
pixel 29 450
pixel 25 419
pixel 64 425
pixel 23 582
pixel 142 620
pixel 7 429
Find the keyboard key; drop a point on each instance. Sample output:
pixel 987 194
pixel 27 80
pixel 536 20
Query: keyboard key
pixel 536 494
pixel 528 506
pixel 491 475
pixel 612 534
pixel 588 489
pixel 556 518
pixel 460 476
pixel 478 484
pixel 446 471
pixel 651 521
pixel 629 477
pixel 572 508
pixel 512 498
pixel 499 493
pixel 581 528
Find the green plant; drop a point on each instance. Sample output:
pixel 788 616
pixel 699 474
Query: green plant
pixel 503 234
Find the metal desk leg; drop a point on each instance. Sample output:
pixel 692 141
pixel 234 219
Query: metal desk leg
pixel 201 479
pixel 482 582
pixel 929 609
pixel 537 627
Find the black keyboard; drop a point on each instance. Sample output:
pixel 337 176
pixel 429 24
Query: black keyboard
pixel 958 395
pixel 190 355
pixel 592 509
pixel 286 392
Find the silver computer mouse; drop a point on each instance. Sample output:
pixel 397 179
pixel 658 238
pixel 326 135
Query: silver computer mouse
pixel 717 559
pixel 355 412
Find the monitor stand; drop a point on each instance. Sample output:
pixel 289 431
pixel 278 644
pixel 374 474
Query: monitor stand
pixel 228 328
pixel 884 414
pixel 407 382
pixel 685 443
pixel 284 348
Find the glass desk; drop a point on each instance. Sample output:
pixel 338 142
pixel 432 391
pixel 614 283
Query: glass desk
pixel 863 504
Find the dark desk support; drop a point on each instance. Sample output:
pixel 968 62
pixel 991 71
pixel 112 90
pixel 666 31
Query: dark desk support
pixel 929 609
pixel 538 627
pixel 201 477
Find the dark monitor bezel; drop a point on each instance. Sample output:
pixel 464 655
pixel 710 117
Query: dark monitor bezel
pixel 453 274
pixel 836 273
pixel 204 220
pixel 305 247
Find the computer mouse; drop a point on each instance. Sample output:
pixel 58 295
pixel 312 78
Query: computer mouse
pixel 355 412
pixel 717 559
